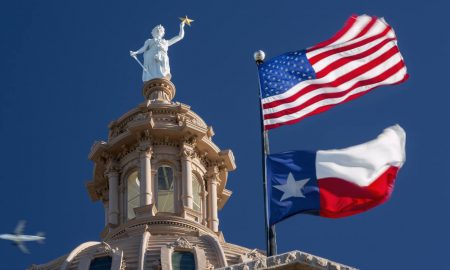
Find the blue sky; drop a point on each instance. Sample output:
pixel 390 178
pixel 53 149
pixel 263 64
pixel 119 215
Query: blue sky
pixel 66 73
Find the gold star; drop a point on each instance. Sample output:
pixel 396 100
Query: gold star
pixel 186 20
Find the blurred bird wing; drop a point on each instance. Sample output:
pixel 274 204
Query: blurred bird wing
pixel 20 227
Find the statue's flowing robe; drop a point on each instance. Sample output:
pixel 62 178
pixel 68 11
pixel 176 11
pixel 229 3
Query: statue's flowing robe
pixel 156 60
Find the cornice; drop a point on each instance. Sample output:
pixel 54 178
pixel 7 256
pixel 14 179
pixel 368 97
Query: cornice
pixel 161 224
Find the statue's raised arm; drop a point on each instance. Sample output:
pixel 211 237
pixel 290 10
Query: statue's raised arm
pixel 156 60
pixel 180 36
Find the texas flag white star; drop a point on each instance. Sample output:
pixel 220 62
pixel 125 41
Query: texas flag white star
pixel 292 188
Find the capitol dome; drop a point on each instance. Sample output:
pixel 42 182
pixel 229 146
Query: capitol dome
pixel 162 180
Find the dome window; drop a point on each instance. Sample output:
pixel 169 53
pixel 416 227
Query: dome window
pixel 133 191
pixel 183 260
pixel 101 263
pixel 196 193
pixel 165 202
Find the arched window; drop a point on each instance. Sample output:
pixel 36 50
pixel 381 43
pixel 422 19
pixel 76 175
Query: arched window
pixel 165 189
pixel 182 260
pixel 133 191
pixel 102 263
pixel 196 192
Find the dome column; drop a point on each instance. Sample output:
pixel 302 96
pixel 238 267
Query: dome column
pixel 213 181
pixel 106 207
pixel 186 163
pixel 204 206
pixel 113 206
pixel 145 156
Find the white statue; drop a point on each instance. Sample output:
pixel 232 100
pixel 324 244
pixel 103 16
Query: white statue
pixel 156 60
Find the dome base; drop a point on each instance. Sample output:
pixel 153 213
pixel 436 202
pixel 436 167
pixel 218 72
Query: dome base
pixel 158 91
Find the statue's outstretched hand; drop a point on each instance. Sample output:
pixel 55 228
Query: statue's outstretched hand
pixel 133 54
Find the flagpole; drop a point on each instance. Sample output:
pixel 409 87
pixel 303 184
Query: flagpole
pixel 271 238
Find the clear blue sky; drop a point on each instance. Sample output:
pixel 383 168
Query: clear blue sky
pixel 66 73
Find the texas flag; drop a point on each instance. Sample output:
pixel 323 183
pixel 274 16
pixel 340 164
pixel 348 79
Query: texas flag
pixel 335 183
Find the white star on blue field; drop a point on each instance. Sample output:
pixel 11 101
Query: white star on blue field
pixel 292 188
pixel 282 72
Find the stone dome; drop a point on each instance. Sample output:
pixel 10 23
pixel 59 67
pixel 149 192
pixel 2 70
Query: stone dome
pixel 162 181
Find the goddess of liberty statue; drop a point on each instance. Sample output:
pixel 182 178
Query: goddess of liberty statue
pixel 156 60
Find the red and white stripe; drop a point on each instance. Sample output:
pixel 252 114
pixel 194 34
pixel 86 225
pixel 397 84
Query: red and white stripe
pixel 357 178
pixel 361 56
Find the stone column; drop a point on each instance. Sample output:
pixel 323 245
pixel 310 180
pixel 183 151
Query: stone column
pixel 204 206
pixel 186 167
pixel 213 181
pixel 113 208
pixel 106 207
pixel 145 174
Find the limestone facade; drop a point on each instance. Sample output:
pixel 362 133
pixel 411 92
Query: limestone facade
pixel 162 180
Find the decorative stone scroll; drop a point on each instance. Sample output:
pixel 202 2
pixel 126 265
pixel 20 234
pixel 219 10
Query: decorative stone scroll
pixel 182 243
pixel 190 140
pixel 253 255
pixel 209 266
pixel 187 153
pixel 118 261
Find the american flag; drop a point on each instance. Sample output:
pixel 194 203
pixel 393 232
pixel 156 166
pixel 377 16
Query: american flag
pixel 361 56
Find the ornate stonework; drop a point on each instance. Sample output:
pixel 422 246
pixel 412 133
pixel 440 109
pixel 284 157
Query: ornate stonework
pixel 157 149
pixel 290 260
pixel 181 243
pixel 161 90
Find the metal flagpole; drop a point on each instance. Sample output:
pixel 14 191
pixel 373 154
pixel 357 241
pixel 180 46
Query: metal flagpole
pixel 271 238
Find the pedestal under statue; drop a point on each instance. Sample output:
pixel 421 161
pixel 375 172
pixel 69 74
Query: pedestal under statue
pixel 156 60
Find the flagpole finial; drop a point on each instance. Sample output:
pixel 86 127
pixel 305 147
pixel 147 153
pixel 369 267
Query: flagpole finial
pixel 259 56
